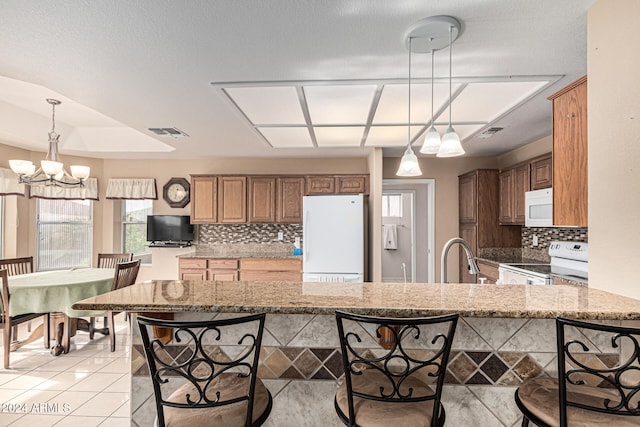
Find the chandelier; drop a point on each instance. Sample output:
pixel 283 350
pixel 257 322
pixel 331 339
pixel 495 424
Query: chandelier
pixel 51 170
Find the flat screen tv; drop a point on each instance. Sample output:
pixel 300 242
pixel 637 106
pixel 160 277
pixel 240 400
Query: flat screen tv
pixel 169 228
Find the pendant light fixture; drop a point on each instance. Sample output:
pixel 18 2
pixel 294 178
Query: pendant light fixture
pixel 409 165
pixel 51 171
pixel 431 144
pixel 450 146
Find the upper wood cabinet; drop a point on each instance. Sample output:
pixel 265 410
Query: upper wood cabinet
pixel 262 199
pixel 321 184
pixel 289 199
pixel 204 202
pixel 337 184
pixel 514 182
pixel 242 199
pixel 541 172
pixel 232 199
pixel 352 184
pixel 570 174
pixel 468 197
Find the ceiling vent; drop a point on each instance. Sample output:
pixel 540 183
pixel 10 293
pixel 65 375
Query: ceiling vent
pixel 172 132
pixel 489 132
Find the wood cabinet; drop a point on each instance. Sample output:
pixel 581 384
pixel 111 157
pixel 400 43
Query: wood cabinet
pixel 232 199
pixel 222 269
pixel 231 269
pixel 570 175
pixel 262 199
pixel 204 201
pixel 337 184
pixel 321 184
pixel 352 184
pixel 289 199
pixel 478 193
pixel 514 182
pixel 541 172
pixel 488 270
pixel 285 269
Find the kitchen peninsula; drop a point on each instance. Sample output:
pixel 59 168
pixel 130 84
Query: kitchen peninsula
pixel 505 335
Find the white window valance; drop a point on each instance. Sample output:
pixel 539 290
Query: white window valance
pixel 132 188
pixel 9 183
pixel 88 192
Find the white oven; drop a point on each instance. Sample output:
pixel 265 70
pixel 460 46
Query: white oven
pixel 539 208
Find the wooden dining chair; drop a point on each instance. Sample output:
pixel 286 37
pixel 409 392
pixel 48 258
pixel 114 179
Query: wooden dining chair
pixel 15 266
pixel 110 260
pixel 195 383
pixel 10 321
pixel 125 275
pixel 589 390
pixel 396 383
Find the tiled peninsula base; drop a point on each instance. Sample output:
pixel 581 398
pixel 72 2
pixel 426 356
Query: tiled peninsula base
pixel 301 365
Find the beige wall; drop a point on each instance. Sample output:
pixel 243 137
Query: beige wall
pixel 445 173
pixel 526 152
pixel 614 145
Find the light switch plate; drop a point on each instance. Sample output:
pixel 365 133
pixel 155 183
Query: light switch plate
pixel 535 240
pixel 280 235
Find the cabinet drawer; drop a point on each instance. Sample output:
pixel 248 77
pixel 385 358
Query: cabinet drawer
pixel 193 274
pixel 321 185
pixel 192 263
pixel 273 264
pixel 490 271
pixel 347 184
pixel 223 275
pixel 223 263
pixel 271 275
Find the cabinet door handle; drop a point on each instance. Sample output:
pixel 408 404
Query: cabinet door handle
pixel 570 116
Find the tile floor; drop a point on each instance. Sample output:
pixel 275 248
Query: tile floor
pixel 89 386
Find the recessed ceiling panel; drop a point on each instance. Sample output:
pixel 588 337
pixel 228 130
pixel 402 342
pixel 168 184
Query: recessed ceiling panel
pixel 487 101
pixel 287 137
pixel 338 105
pixel 268 105
pixel 390 136
pixel 338 136
pixel 392 108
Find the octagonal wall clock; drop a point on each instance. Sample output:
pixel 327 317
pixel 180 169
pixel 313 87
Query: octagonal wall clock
pixel 176 192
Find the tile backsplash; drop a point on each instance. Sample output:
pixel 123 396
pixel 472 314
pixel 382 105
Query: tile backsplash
pixel 224 234
pixel 547 235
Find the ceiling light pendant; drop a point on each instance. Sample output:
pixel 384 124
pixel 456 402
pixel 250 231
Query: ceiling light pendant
pixel 409 165
pixel 431 143
pixel 51 171
pixel 450 146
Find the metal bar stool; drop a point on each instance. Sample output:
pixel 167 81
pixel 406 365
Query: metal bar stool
pixel 398 383
pixel 195 383
pixel 597 384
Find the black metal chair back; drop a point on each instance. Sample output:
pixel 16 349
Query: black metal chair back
pixel 598 378
pixel 206 378
pixel 408 369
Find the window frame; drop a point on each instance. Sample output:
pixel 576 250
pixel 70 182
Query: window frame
pixel 145 257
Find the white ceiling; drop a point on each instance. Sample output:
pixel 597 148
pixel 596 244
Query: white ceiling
pixel 121 67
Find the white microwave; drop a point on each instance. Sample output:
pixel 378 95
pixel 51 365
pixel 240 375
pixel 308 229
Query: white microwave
pixel 539 208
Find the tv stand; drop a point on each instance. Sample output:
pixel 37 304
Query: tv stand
pixel 170 244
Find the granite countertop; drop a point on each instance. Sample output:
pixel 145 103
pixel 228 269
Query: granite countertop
pixel 381 299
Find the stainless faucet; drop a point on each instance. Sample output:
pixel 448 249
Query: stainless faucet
pixel 473 268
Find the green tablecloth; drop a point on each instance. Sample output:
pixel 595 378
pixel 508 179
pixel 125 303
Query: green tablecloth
pixel 56 291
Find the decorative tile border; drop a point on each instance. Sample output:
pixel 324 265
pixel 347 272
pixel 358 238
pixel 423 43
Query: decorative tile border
pixel 547 235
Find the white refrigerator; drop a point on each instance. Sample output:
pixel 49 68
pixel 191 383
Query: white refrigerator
pixel 334 238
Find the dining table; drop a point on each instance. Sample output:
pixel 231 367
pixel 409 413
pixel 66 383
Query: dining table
pixel 54 292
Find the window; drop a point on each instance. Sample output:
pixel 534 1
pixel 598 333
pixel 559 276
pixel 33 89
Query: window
pixel 65 230
pixel 134 228
pixel 392 205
